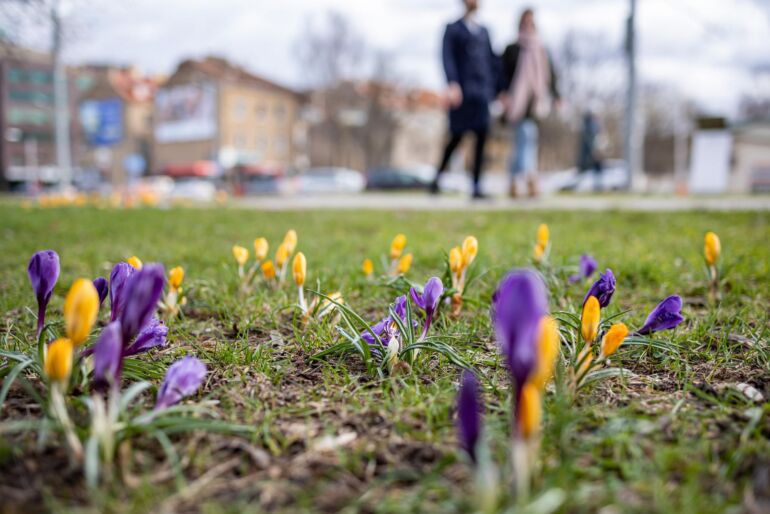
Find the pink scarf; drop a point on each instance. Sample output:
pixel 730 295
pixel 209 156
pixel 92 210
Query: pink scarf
pixel 530 82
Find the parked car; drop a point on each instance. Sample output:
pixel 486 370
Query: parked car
pixel 328 180
pixel 392 178
pixel 195 189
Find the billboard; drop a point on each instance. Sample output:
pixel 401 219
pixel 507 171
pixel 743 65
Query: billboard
pixel 185 113
pixel 102 121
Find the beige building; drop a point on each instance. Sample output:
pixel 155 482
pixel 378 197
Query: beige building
pixel 751 157
pixel 211 110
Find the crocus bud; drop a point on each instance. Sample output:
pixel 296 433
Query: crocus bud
pixel 135 262
pixel 175 277
pixel 613 339
pixel 43 271
pixel 260 248
pixel 712 248
pixel 183 378
pixel 666 315
pixel 102 288
pixel 589 321
pixel 282 255
pixel 547 351
pixel 119 277
pixel 456 260
pixel 404 263
pixel 537 252
pixel 241 254
pixel 108 356
pixel 469 413
pixel 529 411
pixel 469 250
pixel 80 309
pixel 603 288
pixel 397 246
pixel 268 269
pixel 367 267
pixel 290 240
pixel 299 268
pixel 543 235
pixel 58 360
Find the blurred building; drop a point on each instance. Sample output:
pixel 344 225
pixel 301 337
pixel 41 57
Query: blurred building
pixel 751 157
pixel 213 115
pixel 27 117
pixel 115 107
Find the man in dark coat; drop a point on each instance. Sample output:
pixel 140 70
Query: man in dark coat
pixel 471 68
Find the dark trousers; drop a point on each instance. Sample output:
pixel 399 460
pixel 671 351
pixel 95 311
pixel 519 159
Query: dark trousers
pixel 478 157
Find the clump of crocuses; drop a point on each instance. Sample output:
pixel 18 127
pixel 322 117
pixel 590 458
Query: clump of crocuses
pixel 542 248
pixel 398 263
pixel 528 338
pixel 586 267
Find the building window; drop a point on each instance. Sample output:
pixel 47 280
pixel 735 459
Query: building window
pixel 279 112
pixel 261 111
pixel 239 109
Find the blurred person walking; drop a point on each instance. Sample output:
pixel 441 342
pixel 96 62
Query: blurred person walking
pixel 472 73
pixel 530 83
pixel 591 149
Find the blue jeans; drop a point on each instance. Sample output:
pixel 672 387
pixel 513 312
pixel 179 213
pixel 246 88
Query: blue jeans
pixel 524 156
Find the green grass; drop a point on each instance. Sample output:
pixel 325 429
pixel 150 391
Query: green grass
pixel 671 438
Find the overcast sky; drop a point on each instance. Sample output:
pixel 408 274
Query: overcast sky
pixel 706 47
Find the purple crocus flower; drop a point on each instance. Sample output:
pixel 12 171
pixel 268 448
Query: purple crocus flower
pixel 43 271
pixel 429 300
pixel 470 407
pixel 118 280
pixel 100 283
pixel 517 308
pixel 141 295
pixel 153 334
pixel 183 378
pixel 586 268
pixel 385 329
pixel 108 357
pixel 665 315
pixel 603 288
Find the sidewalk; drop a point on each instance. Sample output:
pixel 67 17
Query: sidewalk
pixel 419 202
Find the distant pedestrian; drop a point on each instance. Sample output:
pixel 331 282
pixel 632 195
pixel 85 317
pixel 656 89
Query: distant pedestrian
pixel 529 78
pixel 590 151
pixel 472 73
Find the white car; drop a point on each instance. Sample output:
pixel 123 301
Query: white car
pixel 328 180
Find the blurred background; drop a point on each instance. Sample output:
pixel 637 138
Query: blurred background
pixel 194 99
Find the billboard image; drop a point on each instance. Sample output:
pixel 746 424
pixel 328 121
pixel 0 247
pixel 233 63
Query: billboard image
pixel 102 121
pixel 185 113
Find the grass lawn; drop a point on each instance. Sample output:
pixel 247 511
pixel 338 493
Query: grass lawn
pixel 673 435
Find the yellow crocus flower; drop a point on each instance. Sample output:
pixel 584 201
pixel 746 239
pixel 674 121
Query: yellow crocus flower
pixel 404 263
pixel 260 248
pixel 543 235
pixel 290 240
pixel 712 248
pixel 613 339
pixel 538 252
pixel 299 268
pixel 397 246
pixel 456 260
pixel 547 349
pixel 470 249
pixel 241 254
pixel 268 269
pixel 58 360
pixel 282 255
pixel 175 277
pixel 529 411
pixel 589 321
pixel 81 306
pixel 135 262
pixel 367 267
